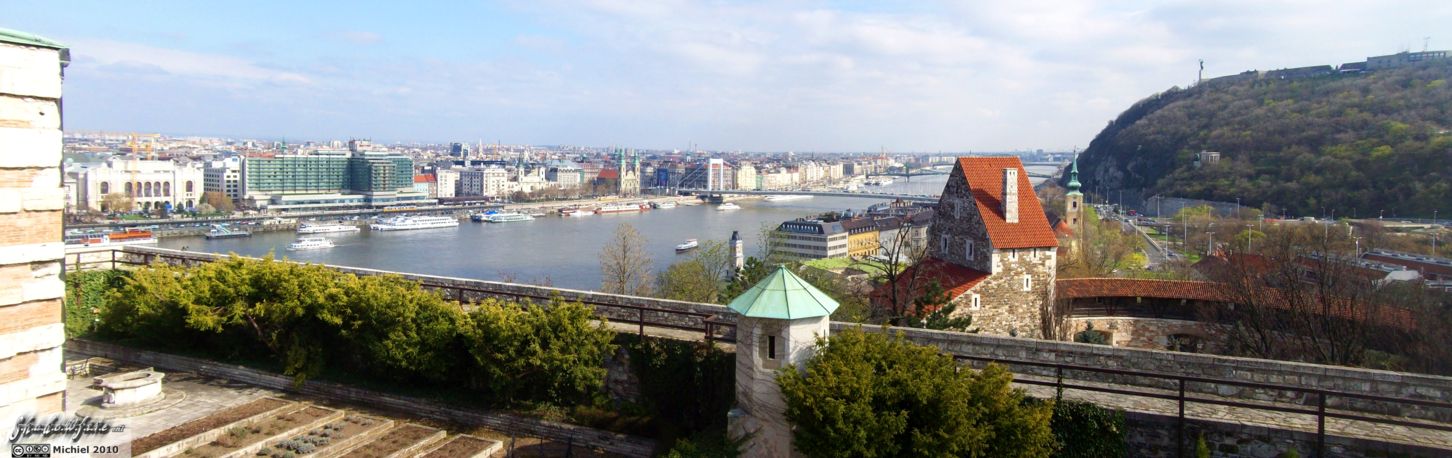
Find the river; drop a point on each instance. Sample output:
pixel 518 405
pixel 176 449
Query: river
pixel 560 251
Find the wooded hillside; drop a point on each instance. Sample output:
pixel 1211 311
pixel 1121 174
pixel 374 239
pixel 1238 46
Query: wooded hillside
pixel 1355 143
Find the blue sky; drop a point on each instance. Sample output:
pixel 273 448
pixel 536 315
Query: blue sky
pixel 759 76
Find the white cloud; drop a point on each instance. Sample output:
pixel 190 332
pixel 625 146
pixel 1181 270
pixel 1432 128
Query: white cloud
pixel 177 62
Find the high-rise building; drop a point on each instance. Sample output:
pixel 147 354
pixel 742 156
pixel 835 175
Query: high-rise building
pixel 330 179
pixel 31 331
pixel 223 176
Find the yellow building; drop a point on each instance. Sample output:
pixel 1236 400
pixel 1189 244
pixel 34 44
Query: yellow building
pixel 862 239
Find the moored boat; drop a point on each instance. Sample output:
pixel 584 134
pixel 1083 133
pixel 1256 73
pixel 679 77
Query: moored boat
pixel 404 223
pixel 126 237
pixel 664 205
pixel 619 208
pixel 324 228
pixel 221 231
pixel 502 217
pixel 728 206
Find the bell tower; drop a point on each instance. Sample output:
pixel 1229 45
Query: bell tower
pixel 1074 200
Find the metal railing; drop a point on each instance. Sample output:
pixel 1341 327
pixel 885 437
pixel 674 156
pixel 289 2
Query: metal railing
pixel 711 326
pixel 1181 398
pixel 713 329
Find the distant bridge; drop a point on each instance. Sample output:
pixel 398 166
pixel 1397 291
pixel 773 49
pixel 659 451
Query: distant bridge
pixel 859 194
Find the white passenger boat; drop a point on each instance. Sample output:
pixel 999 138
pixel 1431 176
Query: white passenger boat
pixel 501 217
pixel 690 244
pixel 221 231
pixel 785 197
pixel 310 243
pixel 324 228
pixel 126 237
pixel 404 223
pixel 664 205
pixel 728 206
pixel 620 208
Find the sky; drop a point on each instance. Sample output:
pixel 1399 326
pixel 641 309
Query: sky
pixel 784 75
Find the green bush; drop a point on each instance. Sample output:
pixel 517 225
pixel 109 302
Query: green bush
pixel 1087 430
pixel 669 369
pixel 86 295
pixel 869 394
pixel 531 352
pixel 308 318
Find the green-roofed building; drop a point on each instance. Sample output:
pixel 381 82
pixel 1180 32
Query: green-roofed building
pixel 779 322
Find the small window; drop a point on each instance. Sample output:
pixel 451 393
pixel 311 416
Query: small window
pixel 770 347
pixel 957 210
pixel 1028 282
pixel 1074 204
pixel 943 245
pixel 976 304
pixel 968 250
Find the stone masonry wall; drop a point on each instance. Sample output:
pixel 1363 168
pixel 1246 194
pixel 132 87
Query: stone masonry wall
pixel 1150 333
pixel 31 203
pixel 957 219
pixel 1280 373
pixel 1006 309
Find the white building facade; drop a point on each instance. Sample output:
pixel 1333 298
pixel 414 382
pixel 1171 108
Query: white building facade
pixel 149 184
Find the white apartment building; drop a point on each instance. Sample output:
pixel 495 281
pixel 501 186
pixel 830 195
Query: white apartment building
pixel 448 183
pixel 149 183
pixel 224 176
pixel 489 181
pixel 746 177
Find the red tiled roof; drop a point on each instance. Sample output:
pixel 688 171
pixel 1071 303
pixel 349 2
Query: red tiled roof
pixel 1079 288
pixel 954 278
pixel 985 179
pixel 423 178
pixel 609 174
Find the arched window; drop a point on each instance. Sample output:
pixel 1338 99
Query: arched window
pixel 130 192
pixel 146 190
pixel 189 187
pixel 105 188
pixel 166 189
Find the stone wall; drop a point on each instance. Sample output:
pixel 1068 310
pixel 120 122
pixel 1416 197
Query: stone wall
pixel 1149 435
pixel 31 204
pixel 956 222
pixel 497 421
pixel 1007 309
pixel 1278 373
pixel 1151 333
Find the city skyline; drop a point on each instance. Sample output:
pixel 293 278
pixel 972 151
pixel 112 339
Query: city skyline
pixel 810 76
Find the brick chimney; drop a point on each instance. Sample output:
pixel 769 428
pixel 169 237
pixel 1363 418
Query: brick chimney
pixel 1010 195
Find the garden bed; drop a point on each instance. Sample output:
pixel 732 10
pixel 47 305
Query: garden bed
pixel 249 437
pixel 330 439
pixel 206 424
pixel 398 439
pixel 464 446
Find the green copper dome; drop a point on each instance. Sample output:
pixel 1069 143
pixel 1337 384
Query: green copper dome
pixel 1074 176
pixel 784 296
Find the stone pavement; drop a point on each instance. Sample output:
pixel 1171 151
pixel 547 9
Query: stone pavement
pixel 188 397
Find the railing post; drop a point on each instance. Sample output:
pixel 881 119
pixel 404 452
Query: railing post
pixel 113 259
pixel 642 321
pixel 710 336
pixel 1180 435
pixel 1321 424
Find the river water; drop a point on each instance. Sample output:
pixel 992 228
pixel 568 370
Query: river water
pixel 561 251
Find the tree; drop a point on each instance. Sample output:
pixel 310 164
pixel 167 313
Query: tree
pixel 527 352
pixel 624 264
pixel 1301 298
pixel 117 202
pixel 218 201
pixel 873 395
pixel 688 280
pixel 753 270
pixel 901 284
pixel 940 316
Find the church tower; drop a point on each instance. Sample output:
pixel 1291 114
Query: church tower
pixel 1074 200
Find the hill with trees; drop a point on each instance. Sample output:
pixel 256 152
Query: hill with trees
pixel 1355 143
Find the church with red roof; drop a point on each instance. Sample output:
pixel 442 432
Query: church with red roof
pixel 990 247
